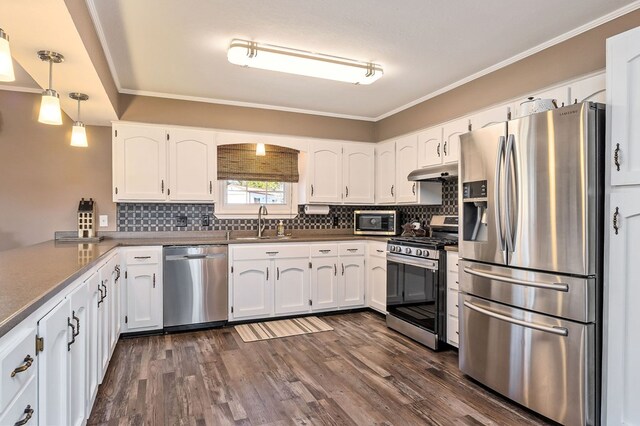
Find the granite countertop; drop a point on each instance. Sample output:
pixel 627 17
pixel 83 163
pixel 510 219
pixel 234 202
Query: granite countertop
pixel 30 276
pixel 451 248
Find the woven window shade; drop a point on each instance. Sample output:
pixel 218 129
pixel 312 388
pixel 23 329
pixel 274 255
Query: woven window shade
pixel 240 162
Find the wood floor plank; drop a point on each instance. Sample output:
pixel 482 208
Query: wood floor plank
pixel 360 373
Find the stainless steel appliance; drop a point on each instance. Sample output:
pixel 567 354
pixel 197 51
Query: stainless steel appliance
pixel 195 286
pixel 531 210
pixel 375 222
pixel 416 282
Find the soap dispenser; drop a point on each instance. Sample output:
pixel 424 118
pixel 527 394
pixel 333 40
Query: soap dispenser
pixel 280 232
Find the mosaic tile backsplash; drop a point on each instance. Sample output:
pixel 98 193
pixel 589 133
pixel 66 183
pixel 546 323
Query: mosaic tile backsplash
pixel 152 217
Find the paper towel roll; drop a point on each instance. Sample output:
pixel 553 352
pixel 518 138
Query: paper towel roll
pixel 320 210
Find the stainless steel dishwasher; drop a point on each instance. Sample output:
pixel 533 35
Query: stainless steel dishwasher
pixel 195 286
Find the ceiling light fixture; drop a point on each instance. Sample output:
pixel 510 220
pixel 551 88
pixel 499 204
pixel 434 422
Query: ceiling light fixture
pixel 260 150
pixel 50 106
pixel 6 63
pixel 284 59
pixel 79 133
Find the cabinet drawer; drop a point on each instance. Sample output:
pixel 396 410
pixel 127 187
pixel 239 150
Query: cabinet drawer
pixel 351 249
pixel 324 250
pixel 143 256
pixel 452 261
pixel 452 331
pixel 452 303
pixel 15 353
pixel 452 281
pixel 275 251
pixel 24 406
pixel 378 249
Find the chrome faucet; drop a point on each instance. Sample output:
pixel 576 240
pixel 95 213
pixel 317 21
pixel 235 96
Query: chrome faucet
pixel 261 225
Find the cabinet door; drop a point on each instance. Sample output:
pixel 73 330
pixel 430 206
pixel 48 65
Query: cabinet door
pixel 351 283
pixel 430 147
pixel 406 162
pixel 621 339
pixel 53 365
pixel 93 337
pixel 144 298
pixel 491 116
pixel 623 100
pixel 79 301
pixel 324 283
pixel 116 300
pixel 325 172
pixel 139 163
pixel 358 163
pixel 451 139
pixel 192 165
pixel 592 88
pixel 385 173
pixel 377 294
pixel 104 319
pixel 252 288
pixel 291 286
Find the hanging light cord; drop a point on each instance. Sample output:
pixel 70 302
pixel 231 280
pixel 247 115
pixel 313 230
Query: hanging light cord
pixel 78 110
pixel 50 74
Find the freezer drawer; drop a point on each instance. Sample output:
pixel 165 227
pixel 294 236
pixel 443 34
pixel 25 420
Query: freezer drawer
pixel 558 295
pixel 544 363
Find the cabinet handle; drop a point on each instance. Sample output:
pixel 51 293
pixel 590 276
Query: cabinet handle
pixel 162 185
pixel 438 149
pixel 325 251
pixel 105 290
pixel 77 320
pixel 312 190
pixel 343 269
pixel 272 253
pixel 352 250
pixel 413 188
pixel 346 192
pixel 335 270
pixel 392 190
pixel 154 281
pixel 380 251
pixel 73 334
pixel 142 257
pixel 117 269
pixel 616 226
pixel 101 296
pixel 28 361
pixel 444 147
pixel 277 273
pixel 29 413
pixel 210 187
pixel 267 273
pixel 616 156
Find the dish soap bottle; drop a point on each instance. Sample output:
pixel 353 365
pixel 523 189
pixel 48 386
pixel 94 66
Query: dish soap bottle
pixel 280 232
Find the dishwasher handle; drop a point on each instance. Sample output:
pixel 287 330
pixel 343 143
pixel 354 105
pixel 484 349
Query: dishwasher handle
pixel 194 256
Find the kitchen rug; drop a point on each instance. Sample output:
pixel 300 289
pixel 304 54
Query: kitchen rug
pixel 281 328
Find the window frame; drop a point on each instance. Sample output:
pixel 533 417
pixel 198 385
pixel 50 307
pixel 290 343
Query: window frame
pixel 289 210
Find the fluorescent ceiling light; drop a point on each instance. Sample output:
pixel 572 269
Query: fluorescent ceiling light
pixel 6 63
pixel 276 58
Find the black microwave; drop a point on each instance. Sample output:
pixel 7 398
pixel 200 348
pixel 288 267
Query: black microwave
pixel 375 222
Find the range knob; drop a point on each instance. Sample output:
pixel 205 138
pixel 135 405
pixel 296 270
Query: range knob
pixel 419 252
pixel 393 249
pixel 407 250
pixel 426 253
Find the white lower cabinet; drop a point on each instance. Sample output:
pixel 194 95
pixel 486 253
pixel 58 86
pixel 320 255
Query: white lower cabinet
pixel 143 276
pixel 104 310
pixel 324 283
pixel 452 298
pixel 93 338
pixel 351 282
pixel 377 277
pixel 78 355
pixel 291 286
pixel 252 294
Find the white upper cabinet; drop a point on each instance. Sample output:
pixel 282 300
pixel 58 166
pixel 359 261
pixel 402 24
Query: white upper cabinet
pixel 139 163
pixel 430 151
pixel 451 140
pixel 358 160
pixel 406 162
pixel 590 89
pixel 623 94
pixel 385 171
pixel 491 116
pixel 325 172
pixel 192 165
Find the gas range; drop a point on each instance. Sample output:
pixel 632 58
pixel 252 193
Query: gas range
pixel 424 247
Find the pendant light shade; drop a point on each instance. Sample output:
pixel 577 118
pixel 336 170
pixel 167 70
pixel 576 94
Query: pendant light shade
pixel 6 63
pixel 260 150
pixel 50 106
pixel 79 132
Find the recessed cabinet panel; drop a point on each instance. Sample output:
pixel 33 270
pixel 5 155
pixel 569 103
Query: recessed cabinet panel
pixel 144 297
pixel 351 284
pixel 324 283
pixel 358 162
pixel 406 161
pixel 377 294
pixel 252 288
pixel 451 140
pixel 192 165
pixel 292 286
pixel 385 173
pixel 325 172
pixel 78 356
pixel 93 337
pixel 430 151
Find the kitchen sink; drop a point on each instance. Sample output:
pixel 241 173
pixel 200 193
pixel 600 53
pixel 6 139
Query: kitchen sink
pixel 262 238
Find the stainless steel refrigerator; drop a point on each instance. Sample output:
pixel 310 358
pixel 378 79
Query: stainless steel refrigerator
pixel 531 213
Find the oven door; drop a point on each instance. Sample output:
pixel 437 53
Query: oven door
pixel 412 290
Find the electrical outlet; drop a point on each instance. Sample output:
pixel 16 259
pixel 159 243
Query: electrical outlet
pixel 181 221
pixel 104 220
pixel 205 220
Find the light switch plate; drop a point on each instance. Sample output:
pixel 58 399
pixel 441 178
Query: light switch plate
pixel 104 220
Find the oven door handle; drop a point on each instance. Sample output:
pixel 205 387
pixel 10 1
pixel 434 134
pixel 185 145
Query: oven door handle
pixel 498 277
pixel 423 263
pixel 560 331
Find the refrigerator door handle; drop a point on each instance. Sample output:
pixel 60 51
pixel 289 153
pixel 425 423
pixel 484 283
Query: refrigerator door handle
pixel 560 331
pixel 508 188
pixel 497 277
pixel 497 196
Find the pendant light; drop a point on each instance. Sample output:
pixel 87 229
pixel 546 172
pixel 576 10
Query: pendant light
pixel 79 133
pixel 260 150
pixel 6 63
pixel 50 106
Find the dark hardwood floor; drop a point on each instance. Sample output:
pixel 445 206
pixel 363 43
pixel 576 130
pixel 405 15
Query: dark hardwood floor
pixel 359 374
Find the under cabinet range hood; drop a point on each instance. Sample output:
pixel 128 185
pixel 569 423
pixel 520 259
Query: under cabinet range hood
pixel 435 173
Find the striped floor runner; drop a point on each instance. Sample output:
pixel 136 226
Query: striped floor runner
pixel 282 328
